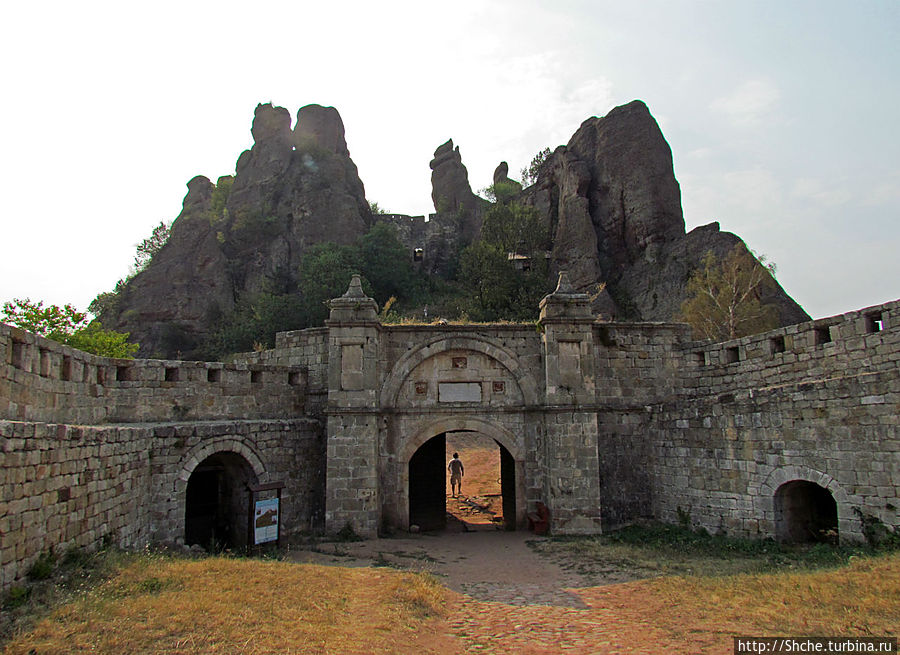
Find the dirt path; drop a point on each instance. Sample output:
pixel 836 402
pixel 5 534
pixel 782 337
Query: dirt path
pixel 490 565
pixel 516 600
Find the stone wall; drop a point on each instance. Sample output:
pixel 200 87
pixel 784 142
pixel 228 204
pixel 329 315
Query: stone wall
pixel 42 380
pixel 81 486
pixel 637 365
pixel 817 401
pixel 606 423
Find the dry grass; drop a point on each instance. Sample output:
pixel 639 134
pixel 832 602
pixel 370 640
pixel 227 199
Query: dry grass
pixel 221 605
pixel 694 614
pixel 860 599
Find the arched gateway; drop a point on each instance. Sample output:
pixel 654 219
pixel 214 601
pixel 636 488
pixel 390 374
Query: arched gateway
pixel 395 390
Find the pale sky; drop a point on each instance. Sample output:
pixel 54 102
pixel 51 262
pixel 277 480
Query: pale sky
pixel 781 116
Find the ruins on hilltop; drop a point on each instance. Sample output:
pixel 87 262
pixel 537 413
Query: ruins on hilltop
pixel 608 200
pixel 605 412
pixel 791 434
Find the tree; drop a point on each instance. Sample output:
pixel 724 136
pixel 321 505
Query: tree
pixel 502 191
pixel 725 297
pixel 147 248
pixel 385 263
pixel 375 209
pixel 487 275
pixel 530 174
pixel 69 326
pixel 325 272
pixel 515 228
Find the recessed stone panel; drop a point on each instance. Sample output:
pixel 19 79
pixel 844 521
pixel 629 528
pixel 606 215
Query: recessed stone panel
pixel 459 392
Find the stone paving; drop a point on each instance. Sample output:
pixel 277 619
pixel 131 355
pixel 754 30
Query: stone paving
pixel 487 565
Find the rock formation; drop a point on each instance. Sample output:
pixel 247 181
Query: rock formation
pixel 614 210
pixel 291 189
pixel 609 197
pixel 451 193
pixel 501 177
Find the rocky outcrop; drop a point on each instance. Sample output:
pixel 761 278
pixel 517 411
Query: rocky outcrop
pixel 609 198
pixel 167 306
pixel 451 193
pixel 501 178
pixel 613 206
pixel 291 189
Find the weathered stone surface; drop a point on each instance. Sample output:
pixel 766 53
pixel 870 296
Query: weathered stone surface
pixel 291 190
pixel 321 126
pixel 451 193
pixel 614 209
pixel 164 306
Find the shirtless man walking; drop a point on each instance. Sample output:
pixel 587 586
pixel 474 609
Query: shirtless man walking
pixel 456 474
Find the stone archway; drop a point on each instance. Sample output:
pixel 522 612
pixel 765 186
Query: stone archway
pixel 423 475
pixel 764 501
pixel 217 499
pixel 406 364
pixel 805 512
pixel 210 490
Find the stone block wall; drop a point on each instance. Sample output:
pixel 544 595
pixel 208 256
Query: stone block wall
pixel 816 401
pixel 863 340
pixel 41 380
pixel 82 486
pixel 523 342
pixel 288 451
pixel 70 486
pixel 721 460
pixel 637 364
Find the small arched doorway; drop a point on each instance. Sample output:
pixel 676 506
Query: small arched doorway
pixel 488 498
pixel 217 502
pixel 805 512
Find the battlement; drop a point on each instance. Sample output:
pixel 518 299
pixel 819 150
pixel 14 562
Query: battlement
pixel 603 422
pixel 43 380
pixel 862 341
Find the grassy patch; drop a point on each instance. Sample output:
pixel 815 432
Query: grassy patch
pixel 659 549
pixel 53 580
pixel 163 604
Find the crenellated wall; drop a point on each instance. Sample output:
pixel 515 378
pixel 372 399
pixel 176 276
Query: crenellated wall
pixel 816 402
pixel 605 423
pixel 42 380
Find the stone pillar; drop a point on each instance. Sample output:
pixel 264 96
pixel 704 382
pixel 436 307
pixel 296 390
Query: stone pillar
pixel 351 487
pixel 572 476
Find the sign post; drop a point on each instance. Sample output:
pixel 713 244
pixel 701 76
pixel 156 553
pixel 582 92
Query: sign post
pixel 264 525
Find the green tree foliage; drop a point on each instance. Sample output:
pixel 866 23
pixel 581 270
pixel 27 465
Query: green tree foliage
pixel 502 192
pixel 219 198
pixel 724 297
pixel 487 275
pixel 325 273
pixel 495 287
pixel 69 326
pixel 147 248
pixel 254 323
pixel 386 264
pixel 375 209
pixel 106 343
pixel 531 172
pixel 515 228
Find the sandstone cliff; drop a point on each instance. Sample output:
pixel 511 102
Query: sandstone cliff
pixel 292 189
pixel 614 209
pixel 609 198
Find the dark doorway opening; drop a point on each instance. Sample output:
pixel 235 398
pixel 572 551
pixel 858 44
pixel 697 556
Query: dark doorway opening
pixel 217 501
pixel 488 496
pixel 805 512
pixel 427 485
